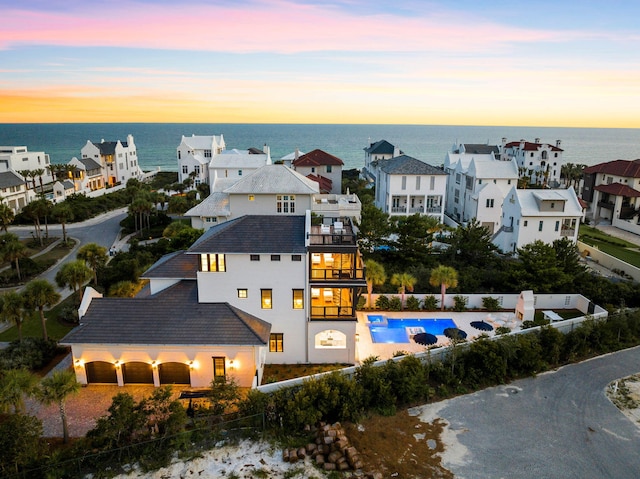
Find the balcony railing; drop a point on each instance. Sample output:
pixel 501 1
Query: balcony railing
pixel 332 274
pixel 567 231
pixel 332 312
pixel 606 205
pixel 333 234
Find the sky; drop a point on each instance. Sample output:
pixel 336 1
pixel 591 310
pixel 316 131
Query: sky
pixel 469 62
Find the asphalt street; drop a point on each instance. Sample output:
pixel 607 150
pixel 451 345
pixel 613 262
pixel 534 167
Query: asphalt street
pixel 557 425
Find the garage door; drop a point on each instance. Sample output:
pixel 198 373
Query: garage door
pixel 101 372
pixel 174 373
pixel 137 373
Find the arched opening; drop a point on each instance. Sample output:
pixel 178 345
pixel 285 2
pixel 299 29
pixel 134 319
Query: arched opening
pixel 101 372
pixel 174 373
pixel 137 373
pixel 330 339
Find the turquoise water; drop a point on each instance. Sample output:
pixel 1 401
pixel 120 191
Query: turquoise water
pixel 157 142
pixel 395 329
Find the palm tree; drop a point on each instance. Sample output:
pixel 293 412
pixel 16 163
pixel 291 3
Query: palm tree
pixel 445 277
pixel 55 389
pixel 14 384
pixel 376 276
pixel 404 281
pixel 12 250
pixel 74 275
pixel 39 172
pixel 39 294
pixel 13 309
pixel 62 213
pixel 6 217
pixel 95 256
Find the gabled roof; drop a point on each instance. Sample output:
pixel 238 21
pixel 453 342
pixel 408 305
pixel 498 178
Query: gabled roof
pixel 478 148
pixel 325 183
pixel 177 265
pixel 317 158
pixel 171 317
pixel 9 179
pixel 487 167
pixel 254 234
pixel 407 165
pixel 529 206
pixel 216 204
pixel 109 147
pixel 530 146
pixel 381 147
pixel 274 179
pixel 90 164
pixel 624 168
pixel 239 159
pixel 618 189
pixel 203 142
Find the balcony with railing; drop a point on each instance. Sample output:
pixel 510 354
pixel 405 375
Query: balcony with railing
pixel 336 205
pixel 567 231
pixel 332 303
pixel 339 232
pixel 337 267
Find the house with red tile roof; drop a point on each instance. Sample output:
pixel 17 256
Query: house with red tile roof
pixel 323 168
pixel 541 162
pixel 612 190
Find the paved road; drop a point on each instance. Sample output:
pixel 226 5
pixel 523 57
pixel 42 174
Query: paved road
pixel 558 425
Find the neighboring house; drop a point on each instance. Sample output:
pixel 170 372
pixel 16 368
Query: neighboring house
pixel 118 160
pixel 14 191
pixel 194 154
pixel 406 186
pixel 19 159
pixel 62 189
pixel 477 183
pixel 88 175
pixel 323 168
pixel 612 190
pixel 256 289
pixel 287 160
pixel 380 150
pixel 540 162
pixel 538 214
pixel 235 164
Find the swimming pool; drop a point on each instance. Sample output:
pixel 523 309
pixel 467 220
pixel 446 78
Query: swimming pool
pixel 397 330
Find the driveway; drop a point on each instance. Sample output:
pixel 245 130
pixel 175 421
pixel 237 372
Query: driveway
pixel 558 425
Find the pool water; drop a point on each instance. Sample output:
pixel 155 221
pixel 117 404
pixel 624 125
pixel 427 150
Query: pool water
pixel 396 330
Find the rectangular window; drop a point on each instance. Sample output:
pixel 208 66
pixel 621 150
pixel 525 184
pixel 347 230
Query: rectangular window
pixel 432 183
pixel 239 172
pixel 296 257
pixel 243 293
pixel 328 168
pixel 525 223
pixel 219 367
pixel 255 257
pixel 212 263
pixel 209 219
pixel 265 299
pixel 404 182
pixel 185 169
pixel 417 182
pixel 489 202
pixel 540 226
pixel 298 299
pixel 457 178
pixel 207 153
pixel 276 342
pixel 252 197
pixel 275 257
pixel 285 203
pixel 557 225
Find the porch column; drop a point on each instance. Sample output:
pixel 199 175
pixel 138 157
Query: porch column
pixel 156 374
pixel 119 374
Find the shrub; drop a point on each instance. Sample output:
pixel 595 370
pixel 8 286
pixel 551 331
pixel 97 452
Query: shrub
pixel 32 354
pixel 502 330
pixel 430 303
pixel 382 302
pixel 491 304
pixel 362 301
pixel 395 304
pixel 413 303
pixel 459 303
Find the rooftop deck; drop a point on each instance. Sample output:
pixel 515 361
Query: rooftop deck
pixel 340 232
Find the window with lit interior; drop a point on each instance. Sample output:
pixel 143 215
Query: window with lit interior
pixel 212 263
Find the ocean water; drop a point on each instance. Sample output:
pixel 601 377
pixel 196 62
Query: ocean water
pixel 157 142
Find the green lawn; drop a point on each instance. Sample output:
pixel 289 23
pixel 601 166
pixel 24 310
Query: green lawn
pixel 618 248
pixel 32 328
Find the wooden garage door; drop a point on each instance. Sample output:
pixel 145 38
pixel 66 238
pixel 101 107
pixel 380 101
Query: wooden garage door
pixel 101 372
pixel 137 373
pixel 174 373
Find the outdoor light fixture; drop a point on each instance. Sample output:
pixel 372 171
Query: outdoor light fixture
pixel 117 364
pixel 154 364
pixel 191 366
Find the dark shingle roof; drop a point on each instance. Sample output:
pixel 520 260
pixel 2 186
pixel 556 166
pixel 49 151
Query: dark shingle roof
pixel 9 179
pixel 317 158
pixel 480 149
pixel 407 165
pixel 171 317
pixel 624 168
pixel 381 147
pixel 176 265
pixel 254 234
pixel 90 164
pixel 108 147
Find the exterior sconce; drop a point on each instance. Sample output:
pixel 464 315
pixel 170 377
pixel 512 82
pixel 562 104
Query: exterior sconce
pixel 191 365
pixel 154 364
pixel 357 337
pixel 78 363
pixel 117 364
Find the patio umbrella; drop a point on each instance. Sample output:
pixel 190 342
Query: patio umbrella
pixel 455 333
pixel 481 325
pixel 426 339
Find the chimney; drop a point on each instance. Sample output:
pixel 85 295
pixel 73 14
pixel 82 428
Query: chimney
pixel 558 143
pixel 296 154
pixel 537 141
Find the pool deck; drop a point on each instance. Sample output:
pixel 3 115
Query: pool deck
pixel 365 347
